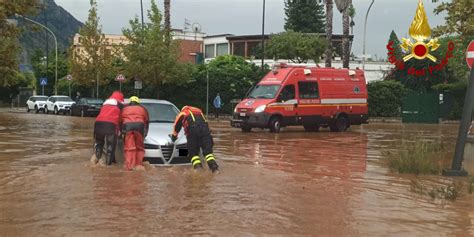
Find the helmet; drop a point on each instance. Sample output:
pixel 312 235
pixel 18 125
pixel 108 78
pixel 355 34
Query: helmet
pixel 118 96
pixel 135 99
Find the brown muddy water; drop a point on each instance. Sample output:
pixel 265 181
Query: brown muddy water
pixel 292 183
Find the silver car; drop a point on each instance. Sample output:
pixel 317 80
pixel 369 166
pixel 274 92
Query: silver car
pixel 159 150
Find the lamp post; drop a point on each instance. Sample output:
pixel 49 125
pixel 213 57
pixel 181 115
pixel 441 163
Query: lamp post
pixel 365 34
pixel 263 34
pixel 56 53
pixel 141 7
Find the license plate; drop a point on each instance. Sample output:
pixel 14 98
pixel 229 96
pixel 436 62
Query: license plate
pixel 242 114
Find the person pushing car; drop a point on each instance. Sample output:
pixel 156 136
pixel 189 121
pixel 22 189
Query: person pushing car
pixel 198 135
pixel 135 122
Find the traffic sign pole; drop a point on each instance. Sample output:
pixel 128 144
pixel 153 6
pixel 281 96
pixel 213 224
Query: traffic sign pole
pixel 120 83
pixel 42 89
pixel 456 167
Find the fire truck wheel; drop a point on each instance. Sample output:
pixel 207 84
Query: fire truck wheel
pixel 246 129
pixel 311 128
pixel 340 125
pixel 275 124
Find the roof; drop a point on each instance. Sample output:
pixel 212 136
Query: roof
pixel 254 37
pixel 219 35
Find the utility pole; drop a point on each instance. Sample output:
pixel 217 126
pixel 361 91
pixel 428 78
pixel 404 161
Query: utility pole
pixel 141 6
pixel 263 34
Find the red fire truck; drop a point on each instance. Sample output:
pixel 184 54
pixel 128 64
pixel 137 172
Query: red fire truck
pixel 310 96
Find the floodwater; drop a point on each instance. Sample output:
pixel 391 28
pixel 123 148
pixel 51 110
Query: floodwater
pixel 292 183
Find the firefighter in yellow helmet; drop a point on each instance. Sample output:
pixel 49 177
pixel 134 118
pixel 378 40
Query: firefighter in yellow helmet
pixel 135 122
pixel 198 135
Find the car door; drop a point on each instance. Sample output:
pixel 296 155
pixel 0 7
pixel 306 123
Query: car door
pixel 49 103
pixel 288 103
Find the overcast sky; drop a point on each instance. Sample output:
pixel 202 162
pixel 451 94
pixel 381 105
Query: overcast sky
pixel 245 17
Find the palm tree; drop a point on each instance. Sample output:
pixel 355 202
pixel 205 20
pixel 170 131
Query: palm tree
pixel 352 13
pixel 343 7
pixel 167 4
pixel 329 4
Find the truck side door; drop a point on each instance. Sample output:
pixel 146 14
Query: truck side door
pixel 287 104
pixel 309 102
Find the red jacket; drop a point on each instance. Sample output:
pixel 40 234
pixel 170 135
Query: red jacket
pixel 110 111
pixel 186 117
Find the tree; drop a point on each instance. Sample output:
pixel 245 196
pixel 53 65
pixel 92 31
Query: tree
pixel 343 7
pixel 149 58
pixel 295 46
pixel 305 16
pixel 460 26
pixel 9 45
pixel 167 6
pixel 92 61
pixel 329 13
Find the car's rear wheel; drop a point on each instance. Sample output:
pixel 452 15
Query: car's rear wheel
pixel 275 124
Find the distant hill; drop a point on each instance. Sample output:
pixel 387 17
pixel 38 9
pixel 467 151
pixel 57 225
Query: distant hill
pixel 60 21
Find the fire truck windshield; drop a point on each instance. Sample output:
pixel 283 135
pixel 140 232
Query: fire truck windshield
pixel 264 91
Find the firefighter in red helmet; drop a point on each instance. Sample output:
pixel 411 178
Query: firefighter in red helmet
pixel 135 122
pixel 106 127
pixel 198 135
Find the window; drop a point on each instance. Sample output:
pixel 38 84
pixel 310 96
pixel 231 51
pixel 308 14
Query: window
pixel 209 50
pixel 239 49
pixel 264 91
pixel 308 89
pixel 222 49
pixel 288 93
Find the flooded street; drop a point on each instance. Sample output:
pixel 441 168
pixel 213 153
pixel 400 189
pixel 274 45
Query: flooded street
pixel 291 183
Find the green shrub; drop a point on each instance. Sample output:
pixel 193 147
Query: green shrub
pixel 385 98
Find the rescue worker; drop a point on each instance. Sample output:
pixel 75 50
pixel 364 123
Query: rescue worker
pixel 135 122
pixel 106 127
pixel 198 135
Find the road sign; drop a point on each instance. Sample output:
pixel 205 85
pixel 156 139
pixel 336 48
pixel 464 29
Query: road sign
pixel 69 77
pixel 120 77
pixel 43 81
pixel 138 85
pixel 470 54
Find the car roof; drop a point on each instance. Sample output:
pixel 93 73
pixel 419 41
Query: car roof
pixel 39 96
pixel 59 96
pixel 151 101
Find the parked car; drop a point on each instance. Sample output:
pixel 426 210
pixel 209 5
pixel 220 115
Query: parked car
pixel 310 96
pixel 36 103
pixel 159 149
pixel 86 107
pixel 59 104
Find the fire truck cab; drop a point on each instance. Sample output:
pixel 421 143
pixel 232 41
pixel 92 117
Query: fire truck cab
pixel 310 96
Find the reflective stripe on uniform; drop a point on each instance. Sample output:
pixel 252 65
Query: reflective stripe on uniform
pixel 192 115
pixel 210 157
pixel 195 160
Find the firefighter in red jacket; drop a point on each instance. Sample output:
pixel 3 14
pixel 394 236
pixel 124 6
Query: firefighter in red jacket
pixel 106 127
pixel 198 135
pixel 135 122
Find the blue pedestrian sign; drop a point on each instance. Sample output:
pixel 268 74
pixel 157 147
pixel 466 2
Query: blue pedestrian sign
pixel 43 81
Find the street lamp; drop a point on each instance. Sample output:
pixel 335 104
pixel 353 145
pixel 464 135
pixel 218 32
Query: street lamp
pixel 56 44
pixel 365 33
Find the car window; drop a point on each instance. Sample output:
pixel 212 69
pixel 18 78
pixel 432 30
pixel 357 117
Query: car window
pixel 308 89
pixel 63 99
pixel 288 93
pixel 93 101
pixel 40 98
pixel 161 112
pixel 82 101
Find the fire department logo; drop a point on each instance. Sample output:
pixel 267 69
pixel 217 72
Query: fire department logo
pixel 421 46
pixel 420 31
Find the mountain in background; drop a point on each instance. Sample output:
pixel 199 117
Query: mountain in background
pixel 60 21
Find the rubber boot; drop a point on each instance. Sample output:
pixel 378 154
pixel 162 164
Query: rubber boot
pixel 213 166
